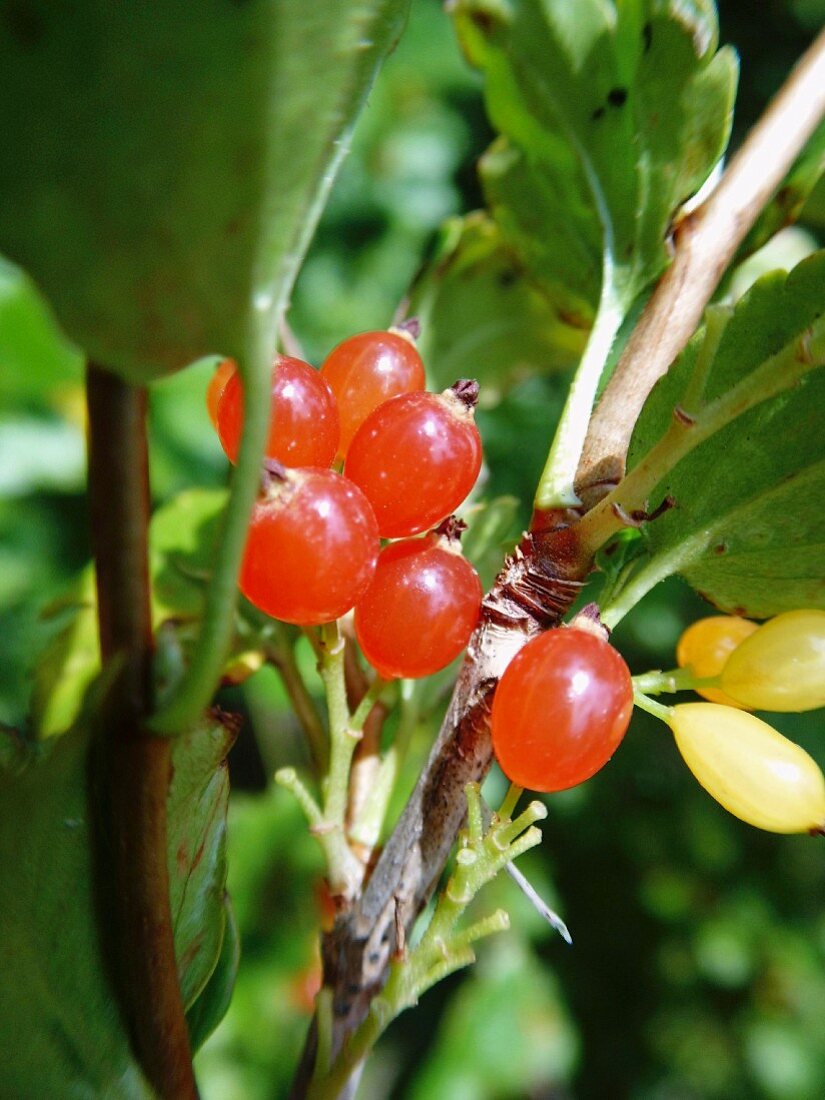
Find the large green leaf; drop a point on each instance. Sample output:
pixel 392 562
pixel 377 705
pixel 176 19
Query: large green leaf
pixel 60 1030
pixel 611 116
pixel 748 526
pixel 481 317
pixel 162 166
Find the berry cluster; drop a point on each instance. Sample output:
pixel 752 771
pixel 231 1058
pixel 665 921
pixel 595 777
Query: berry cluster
pixel 407 459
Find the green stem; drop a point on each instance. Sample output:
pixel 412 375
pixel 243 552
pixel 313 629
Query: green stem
pixel 683 434
pixel 371 697
pixel 677 679
pixel 556 484
pixel 130 767
pixel 505 810
pixel 194 692
pixel 658 710
pixel 367 827
pixel 282 655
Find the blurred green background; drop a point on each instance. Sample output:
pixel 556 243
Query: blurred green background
pixel 698 965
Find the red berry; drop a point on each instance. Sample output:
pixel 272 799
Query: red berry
pixel 420 608
pixel 217 384
pixel 416 457
pixel 303 421
pixel 311 548
pixel 366 370
pixel 560 710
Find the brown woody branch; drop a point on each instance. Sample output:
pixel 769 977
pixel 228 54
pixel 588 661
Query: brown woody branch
pixel 131 767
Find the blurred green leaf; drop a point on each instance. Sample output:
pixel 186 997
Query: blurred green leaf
pixel 183 536
pixel 611 116
pixel 505 1032
pixel 144 207
pixel 33 353
pixel 60 1028
pixel 492 527
pixel 480 316
pixel 748 526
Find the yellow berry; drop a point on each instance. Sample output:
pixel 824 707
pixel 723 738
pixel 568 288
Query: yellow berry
pixel 781 666
pixel 705 647
pixel 750 768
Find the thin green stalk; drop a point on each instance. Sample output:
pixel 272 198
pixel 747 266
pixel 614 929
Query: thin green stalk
pixel 367 827
pixel 505 810
pixel 282 655
pixel 556 484
pixel 658 710
pixel 683 434
pixel 677 679
pixel 194 692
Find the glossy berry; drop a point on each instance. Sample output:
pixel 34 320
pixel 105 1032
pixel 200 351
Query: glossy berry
pixel 311 549
pixel 561 709
pixel 420 608
pixel 416 457
pixel 781 666
pixel 217 384
pixel 705 647
pixel 365 371
pixel 750 768
pixel 303 425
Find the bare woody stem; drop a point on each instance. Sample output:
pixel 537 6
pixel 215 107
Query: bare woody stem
pixel 705 243
pixel 131 766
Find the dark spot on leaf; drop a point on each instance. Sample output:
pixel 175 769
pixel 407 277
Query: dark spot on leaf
pixel 597 114
pixel 182 858
pixel 198 856
pixel 483 20
pixel 647 36
pixel 721 548
pixel 507 278
pixel 617 97
pixel 24 24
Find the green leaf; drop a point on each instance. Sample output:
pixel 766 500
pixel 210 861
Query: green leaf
pixel 522 1041
pixel 162 167
pixel 33 353
pixel 492 529
pixel 211 1006
pixel 482 318
pixel 69 662
pixel 182 541
pixel 196 841
pixel 748 526
pixel 611 116
pixel 60 1028
pixel 183 538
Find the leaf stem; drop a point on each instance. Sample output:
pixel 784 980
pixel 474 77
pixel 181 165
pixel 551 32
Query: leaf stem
pixel 658 710
pixel 777 374
pixel 194 692
pixel 556 484
pixel 131 768
pixel 677 679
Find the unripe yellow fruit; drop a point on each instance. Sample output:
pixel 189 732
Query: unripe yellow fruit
pixel 750 768
pixel 781 666
pixel 705 647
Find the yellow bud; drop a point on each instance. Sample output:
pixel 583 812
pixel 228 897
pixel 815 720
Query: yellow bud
pixel 705 647
pixel 750 768
pixel 781 666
